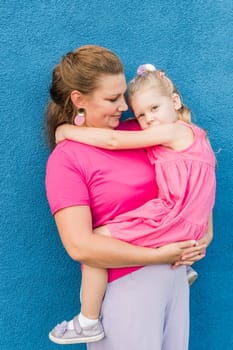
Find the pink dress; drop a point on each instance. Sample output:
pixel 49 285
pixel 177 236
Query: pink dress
pixel 186 182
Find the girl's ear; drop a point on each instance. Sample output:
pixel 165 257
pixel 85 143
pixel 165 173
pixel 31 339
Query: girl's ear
pixel 77 98
pixel 176 101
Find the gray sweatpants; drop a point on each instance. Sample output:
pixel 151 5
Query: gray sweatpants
pixel 146 310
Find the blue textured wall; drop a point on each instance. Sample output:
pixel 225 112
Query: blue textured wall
pixel 192 42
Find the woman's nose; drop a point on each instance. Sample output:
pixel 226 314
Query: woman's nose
pixel 123 105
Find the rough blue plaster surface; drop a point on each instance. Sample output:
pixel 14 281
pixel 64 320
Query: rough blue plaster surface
pixel 192 42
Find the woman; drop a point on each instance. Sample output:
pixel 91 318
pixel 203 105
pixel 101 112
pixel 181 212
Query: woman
pixel 87 186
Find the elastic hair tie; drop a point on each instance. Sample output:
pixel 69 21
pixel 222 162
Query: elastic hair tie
pixel 145 68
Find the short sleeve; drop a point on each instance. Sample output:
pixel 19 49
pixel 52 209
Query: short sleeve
pixel 65 183
pixel 129 124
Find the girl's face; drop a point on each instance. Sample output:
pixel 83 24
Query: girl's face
pixel 150 107
pixel 106 104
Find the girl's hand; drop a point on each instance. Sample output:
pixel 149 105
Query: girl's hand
pixel 60 134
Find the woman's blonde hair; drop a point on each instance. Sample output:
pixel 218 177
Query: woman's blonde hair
pixel 157 79
pixel 78 70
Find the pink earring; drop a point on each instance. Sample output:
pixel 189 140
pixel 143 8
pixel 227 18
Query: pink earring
pixel 80 117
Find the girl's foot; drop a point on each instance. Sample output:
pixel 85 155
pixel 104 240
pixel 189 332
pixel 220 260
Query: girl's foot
pixel 62 334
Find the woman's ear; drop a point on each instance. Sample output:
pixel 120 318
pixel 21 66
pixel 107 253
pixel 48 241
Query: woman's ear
pixel 76 97
pixel 176 101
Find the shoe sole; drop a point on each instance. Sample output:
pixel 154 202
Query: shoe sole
pixel 64 341
pixel 192 279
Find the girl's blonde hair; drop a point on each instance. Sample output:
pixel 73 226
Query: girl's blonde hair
pixel 78 70
pixel 158 80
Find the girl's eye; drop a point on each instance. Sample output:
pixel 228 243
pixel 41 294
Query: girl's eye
pixel 154 108
pixel 140 117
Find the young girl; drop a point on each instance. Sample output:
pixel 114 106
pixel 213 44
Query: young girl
pixel 185 174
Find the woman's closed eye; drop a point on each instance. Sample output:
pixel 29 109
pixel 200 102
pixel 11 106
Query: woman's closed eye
pixel 113 99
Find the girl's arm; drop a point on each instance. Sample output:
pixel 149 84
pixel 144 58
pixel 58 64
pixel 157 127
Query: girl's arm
pixel 165 134
pixel 75 228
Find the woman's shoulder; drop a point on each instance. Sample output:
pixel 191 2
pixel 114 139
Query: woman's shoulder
pixel 68 147
pixel 60 150
pixel 67 153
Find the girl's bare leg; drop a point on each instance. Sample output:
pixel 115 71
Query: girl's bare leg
pixel 102 230
pixel 94 283
pixel 86 326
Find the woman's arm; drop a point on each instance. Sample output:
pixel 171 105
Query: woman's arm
pixel 75 228
pixel 164 134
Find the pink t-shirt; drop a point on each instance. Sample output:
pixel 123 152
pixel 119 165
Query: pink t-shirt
pixel 109 182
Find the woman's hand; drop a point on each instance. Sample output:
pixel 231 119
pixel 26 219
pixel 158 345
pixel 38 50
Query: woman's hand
pixel 192 254
pixel 174 252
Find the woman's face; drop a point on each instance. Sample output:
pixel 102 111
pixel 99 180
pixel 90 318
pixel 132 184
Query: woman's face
pixel 106 104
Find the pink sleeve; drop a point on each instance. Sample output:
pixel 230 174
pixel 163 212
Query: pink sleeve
pixel 129 124
pixel 65 184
